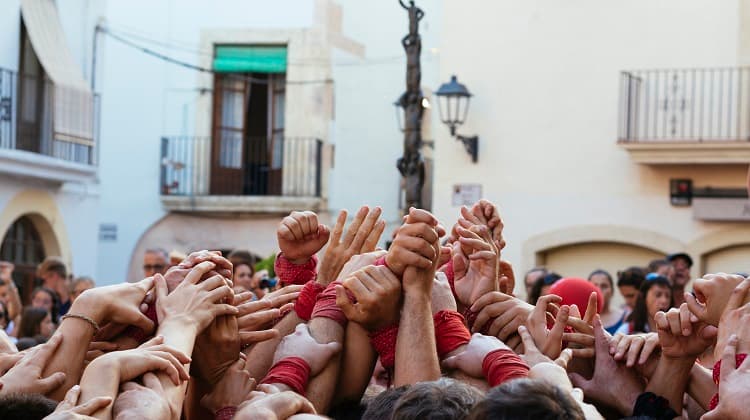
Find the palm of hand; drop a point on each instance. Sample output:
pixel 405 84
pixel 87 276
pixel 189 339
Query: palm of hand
pixel 480 278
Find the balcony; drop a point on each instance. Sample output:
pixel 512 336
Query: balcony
pixel 687 116
pixel 241 176
pixel 35 141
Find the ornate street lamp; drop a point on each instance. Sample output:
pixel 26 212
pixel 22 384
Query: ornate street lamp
pixel 453 103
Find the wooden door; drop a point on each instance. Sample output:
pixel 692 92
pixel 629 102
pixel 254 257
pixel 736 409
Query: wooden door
pixel 231 93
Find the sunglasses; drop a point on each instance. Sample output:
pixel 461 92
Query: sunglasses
pixel 153 267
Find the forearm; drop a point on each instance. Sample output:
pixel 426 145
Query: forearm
pixel 701 385
pixel 100 379
pixel 69 357
pixel 260 357
pixel 357 364
pixel 320 389
pixel 670 380
pixel 416 353
pixel 181 336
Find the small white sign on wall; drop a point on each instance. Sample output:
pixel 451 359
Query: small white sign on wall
pixel 466 194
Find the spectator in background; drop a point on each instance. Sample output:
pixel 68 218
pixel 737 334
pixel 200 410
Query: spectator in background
pixel 155 261
pixel 45 298
pixel 80 285
pixel 612 318
pixel 542 286
pixel 243 270
pixel 655 295
pixel 531 278
pixel 176 257
pixel 36 323
pixel 681 263
pixel 662 268
pixel 54 275
pixel 629 283
pixel 9 296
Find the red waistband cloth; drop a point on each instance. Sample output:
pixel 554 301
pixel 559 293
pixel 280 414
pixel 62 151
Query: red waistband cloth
pixel 326 307
pixel 717 375
pixel 307 298
pixel 293 372
pixel 503 365
pixel 290 273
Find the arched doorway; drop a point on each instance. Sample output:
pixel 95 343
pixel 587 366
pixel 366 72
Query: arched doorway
pixel 22 245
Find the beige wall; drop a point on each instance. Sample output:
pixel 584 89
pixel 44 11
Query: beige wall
pixel 733 259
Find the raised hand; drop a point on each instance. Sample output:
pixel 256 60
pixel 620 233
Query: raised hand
pixel 194 304
pixel 471 358
pixel 548 340
pixel 301 344
pixel 231 390
pixel 533 356
pixel 118 304
pixel 504 313
pixel 70 409
pixel 711 295
pixel 734 385
pixel 613 384
pixel 475 264
pixel 635 348
pixel 361 237
pixel 735 320
pixel 377 293
pixel 415 243
pixel 300 236
pixel 489 215
pixel 26 376
pixel 679 336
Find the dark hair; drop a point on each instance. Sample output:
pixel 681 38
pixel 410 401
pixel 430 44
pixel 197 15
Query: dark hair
pixel 347 410
pixel 55 301
pixel 527 399
pixel 534 270
pixel 536 290
pixel 4 315
pixel 656 264
pixel 53 265
pixel 31 321
pixel 381 407
pixel 27 343
pixel 241 256
pixel 638 319
pixel 444 399
pixel 632 276
pixel 605 273
pixel 25 406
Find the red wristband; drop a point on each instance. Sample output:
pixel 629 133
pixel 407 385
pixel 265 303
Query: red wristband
pixel 450 332
pixel 225 413
pixel 290 371
pixel 306 301
pixel 326 307
pixel 717 376
pixel 291 273
pixel 138 334
pixel 384 342
pixel 502 365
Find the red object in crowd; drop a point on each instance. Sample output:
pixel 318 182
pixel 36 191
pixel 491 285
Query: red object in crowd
pixel 576 291
pixel 293 372
pixel 503 365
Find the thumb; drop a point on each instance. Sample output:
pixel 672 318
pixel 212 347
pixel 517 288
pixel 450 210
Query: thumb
pixel 451 362
pixel 71 398
pixel 323 234
pixel 709 332
pixel 160 287
pixel 92 406
pixel 334 347
pixel 343 302
pixel 138 319
pixel 51 383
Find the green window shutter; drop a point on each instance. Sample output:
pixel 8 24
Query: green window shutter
pixel 258 59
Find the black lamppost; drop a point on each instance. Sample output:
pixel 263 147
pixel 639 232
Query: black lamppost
pixel 411 165
pixel 453 102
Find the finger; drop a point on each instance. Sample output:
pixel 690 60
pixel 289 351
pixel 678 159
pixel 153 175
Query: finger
pixel 564 358
pixel 160 287
pixel 483 255
pixel 728 358
pixel 591 308
pixel 374 237
pixel 555 335
pixel 146 284
pixel 696 308
pixel 648 348
pixel 614 342
pixel 660 318
pixel 71 398
pixel 92 406
pixel 673 316
pixel 197 272
pixel 475 244
pixel 622 346
pixel 600 336
pixel 252 307
pixel 51 383
pixel 528 341
pixel 353 229
pixel 685 324
pixel 220 293
pixel 346 305
pixel 364 230
pixel 487 299
pixel 451 362
pixel 584 353
pixel 136 318
pixel 155 341
pixel 258 319
pixel 182 357
pixel 634 351
pixel 737 298
pixel 583 340
pixel 221 309
pixel 294 227
pixel 338 228
pixel 241 298
pixel 251 337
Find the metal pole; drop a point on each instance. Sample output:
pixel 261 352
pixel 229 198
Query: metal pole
pixel 411 164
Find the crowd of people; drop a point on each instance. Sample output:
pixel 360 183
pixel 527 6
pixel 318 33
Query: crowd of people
pixel 428 329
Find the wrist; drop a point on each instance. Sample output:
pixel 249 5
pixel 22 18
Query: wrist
pixel 182 323
pixel 91 306
pixel 417 295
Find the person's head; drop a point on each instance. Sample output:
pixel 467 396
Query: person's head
pixel 34 322
pixel 43 297
pixel 4 317
pixel 25 406
pixel 260 283
pixel 661 267
pixel 542 286
pixel 576 291
pixel 155 261
pixel 629 283
pixel 444 399
pixel 52 271
pixel 681 263
pixel 527 399
pixel 655 295
pixel 603 280
pixel 243 275
pixel 381 406
pixel 532 276
pixel 80 285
